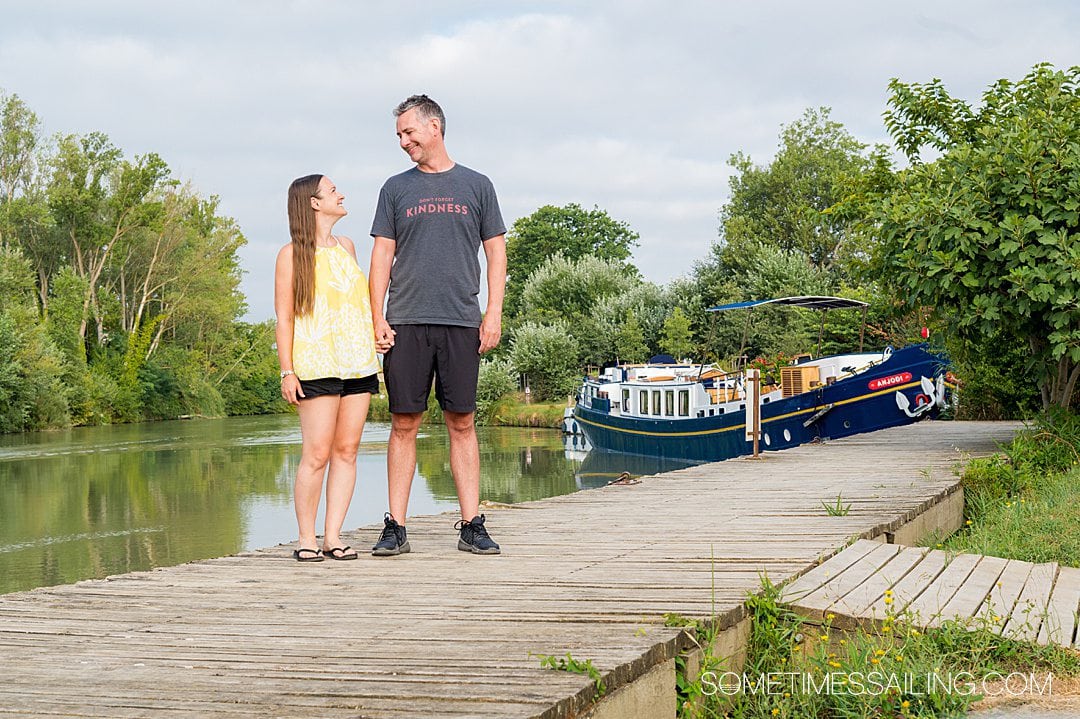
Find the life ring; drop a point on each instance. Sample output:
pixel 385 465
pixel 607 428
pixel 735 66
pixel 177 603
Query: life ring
pixel 922 399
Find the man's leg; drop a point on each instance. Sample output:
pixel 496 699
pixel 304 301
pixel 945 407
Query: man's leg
pixel 401 461
pixel 464 461
pixel 458 357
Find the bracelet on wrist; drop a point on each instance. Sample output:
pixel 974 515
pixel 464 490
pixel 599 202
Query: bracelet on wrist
pixel 285 373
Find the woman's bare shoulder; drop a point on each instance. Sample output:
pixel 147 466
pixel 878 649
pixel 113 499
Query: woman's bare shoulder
pixel 347 244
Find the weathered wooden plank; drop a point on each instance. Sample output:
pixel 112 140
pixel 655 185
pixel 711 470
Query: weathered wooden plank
pixel 858 601
pixel 821 600
pixel 822 574
pixel 971 596
pixel 1027 615
pixel 1059 626
pixel 928 606
pixel 910 586
pixel 1003 596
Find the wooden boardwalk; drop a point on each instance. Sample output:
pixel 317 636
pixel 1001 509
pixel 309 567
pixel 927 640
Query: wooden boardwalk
pixel 440 633
pixel 1021 600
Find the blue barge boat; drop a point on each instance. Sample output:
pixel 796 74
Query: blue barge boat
pixel 698 412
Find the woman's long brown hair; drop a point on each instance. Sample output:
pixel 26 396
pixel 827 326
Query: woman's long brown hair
pixel 302 229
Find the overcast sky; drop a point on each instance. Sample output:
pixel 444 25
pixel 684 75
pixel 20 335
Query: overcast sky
pixel 632 106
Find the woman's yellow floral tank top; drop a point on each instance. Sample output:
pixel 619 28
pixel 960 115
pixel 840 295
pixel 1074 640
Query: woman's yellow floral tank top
pixel 337 339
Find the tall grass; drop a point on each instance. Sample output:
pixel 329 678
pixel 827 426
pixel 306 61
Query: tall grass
pixel 1024 503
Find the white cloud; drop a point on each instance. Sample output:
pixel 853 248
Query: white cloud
pixel 623 105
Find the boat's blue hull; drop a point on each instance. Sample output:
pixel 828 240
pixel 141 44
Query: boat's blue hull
pixel 863 403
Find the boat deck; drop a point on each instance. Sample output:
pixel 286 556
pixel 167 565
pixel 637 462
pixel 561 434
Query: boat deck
pixel 440 633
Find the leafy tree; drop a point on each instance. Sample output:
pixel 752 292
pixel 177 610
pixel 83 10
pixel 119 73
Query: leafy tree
pixel 548 356
pixel 32 394
pixel 20 137
pixel 24 216
pixel 629 343
pixel 97 198
pixel 987 233
pixel 570 288
pixel 787 229
pixel 676 338
pixel 787 204
pixel 571 231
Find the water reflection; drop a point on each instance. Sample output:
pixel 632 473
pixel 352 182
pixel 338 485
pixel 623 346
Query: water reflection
pixel 597 467
pixel 95 501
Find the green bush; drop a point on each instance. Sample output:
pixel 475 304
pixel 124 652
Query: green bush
pixel 1036 454
pixel 548 357
pixel 495 382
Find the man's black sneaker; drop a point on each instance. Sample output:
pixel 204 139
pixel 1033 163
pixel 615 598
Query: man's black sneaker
pixel 393 540
pixel 474 537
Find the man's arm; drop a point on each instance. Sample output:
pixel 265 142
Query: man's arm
pixel 382 259
pixel 491 327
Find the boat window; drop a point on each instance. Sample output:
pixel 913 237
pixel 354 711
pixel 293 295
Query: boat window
pixel 684 403
pixel 669 403
pixel 643 401
pixel 656 402
pixel 626 399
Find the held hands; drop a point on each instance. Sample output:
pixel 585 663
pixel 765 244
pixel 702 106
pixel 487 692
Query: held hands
pixel 290 389
pixel 490 331
pixel 384 336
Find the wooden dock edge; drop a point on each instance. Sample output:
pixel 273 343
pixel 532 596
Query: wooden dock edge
pixel 645 689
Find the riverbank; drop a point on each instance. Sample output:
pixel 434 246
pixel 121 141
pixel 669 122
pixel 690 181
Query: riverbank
pixel 510 411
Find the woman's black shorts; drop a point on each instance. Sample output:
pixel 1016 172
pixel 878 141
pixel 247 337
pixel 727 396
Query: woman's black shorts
pixel 340 387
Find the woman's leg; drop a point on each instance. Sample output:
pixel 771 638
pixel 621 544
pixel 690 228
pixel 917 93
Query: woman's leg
pixel 318 420
pixel 340 481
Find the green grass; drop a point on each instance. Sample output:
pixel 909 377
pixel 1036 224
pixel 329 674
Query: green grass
pixel 511 412
pixel 1024 503
pixel 574 666
pixel 837 508
pixel 1037 526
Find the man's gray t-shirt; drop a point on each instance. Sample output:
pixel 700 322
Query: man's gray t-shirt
pixel 437 221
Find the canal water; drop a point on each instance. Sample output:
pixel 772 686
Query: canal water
pixel 94 501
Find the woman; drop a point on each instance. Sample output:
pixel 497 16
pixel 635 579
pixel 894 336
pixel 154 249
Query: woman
pixel 327 353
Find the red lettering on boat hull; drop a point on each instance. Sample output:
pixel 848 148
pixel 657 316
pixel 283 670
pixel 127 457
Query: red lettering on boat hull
pixel 890 381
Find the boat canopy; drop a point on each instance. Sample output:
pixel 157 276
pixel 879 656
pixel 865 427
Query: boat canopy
pixel 813 303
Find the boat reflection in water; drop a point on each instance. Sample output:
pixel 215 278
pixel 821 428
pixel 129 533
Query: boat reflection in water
pixel 597 468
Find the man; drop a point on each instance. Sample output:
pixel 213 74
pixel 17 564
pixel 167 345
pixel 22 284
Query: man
pixel 429 225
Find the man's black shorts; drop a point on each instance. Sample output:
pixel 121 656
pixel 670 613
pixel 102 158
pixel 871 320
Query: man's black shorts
pixel 447 353
pixel 340 387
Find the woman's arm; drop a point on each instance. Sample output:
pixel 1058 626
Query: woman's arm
pixel 283 308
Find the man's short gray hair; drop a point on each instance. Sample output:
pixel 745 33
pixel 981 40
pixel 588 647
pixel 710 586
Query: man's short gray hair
pixel 425 107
